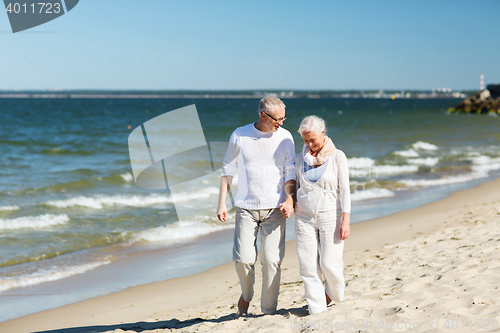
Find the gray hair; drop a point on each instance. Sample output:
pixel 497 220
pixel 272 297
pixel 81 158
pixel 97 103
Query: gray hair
pixel 312 124
pixel 268 104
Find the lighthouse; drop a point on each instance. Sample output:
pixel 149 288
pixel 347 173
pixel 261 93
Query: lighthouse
pixel 481 82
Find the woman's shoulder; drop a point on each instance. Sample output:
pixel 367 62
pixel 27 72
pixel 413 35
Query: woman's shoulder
pixel 339 152
pixel 339 156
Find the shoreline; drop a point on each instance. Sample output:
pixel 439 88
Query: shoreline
pixel 148 263
pixel 167 305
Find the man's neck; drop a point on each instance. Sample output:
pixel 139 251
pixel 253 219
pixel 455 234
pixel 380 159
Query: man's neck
pixel 258 125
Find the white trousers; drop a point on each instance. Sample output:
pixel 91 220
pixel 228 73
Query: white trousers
pixel 319 249
pixel 271 224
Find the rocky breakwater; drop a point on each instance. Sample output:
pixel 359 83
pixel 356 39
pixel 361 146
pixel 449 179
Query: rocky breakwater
pixel 483 101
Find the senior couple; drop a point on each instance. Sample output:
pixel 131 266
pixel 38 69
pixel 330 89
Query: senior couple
pixel 271 181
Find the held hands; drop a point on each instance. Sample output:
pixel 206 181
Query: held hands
pixel 345 229
pixel 222 213
pixel 286 208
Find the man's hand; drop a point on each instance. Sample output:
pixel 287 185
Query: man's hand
pixel 225 185
pixel 222 213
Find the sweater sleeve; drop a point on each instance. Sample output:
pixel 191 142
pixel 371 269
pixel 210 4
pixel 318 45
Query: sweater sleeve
pixel 344 189
pixel 230 162
pixel 289 167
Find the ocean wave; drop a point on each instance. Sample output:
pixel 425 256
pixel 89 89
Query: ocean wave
pixel 393 169
pixel 47 275
pixel 360 162
pixel 407 153
pixel 360 167
pixel 13 207
pixel 429 161
pixel 127 177
pixel 85 183
pixel 33 222
pixel 486 167
pixel 445 180
pixel 201 194
pixel 420 145
pixel 176 234
pixel 479 159
pixel 457 151
pixel 27 143
pixel 483 163
pixel 57 188
pixel 101 201
pixel 371 193
pixel 62 151
pixel 382 170
pixel 82 171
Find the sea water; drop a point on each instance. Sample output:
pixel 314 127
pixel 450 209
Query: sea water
pixel 74 225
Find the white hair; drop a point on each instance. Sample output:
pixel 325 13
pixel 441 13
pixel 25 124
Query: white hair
pixel 268 104
pixel 312 124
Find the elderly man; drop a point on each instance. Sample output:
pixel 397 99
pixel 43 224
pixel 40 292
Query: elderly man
pixel 262 154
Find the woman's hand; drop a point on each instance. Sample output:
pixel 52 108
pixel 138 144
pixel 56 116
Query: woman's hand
pixel 222 213
pixel 345 229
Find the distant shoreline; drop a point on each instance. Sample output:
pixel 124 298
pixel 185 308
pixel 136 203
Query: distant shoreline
pixel 284 94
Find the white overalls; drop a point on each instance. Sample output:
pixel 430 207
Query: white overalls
pixel 318 216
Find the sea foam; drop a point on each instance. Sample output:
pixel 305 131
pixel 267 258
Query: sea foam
pixel 101 201
pixel 361 167
pixel 360 162
pixel 393 169
pixel 483 163
pixel 407 153
pixel 445 180
pixel 127 177
pixel 13 207
pixel 486 167
pixel 424 146
pixel 176 234
pixel 371 193
pixel 33 222
pixel 47 275
pixel 429 161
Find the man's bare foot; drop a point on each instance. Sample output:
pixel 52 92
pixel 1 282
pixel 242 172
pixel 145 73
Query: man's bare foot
pixel 328 299
pixel 243 306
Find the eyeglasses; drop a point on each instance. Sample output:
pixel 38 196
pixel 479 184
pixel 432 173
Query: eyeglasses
pixel 277 120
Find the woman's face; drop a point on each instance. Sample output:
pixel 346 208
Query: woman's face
pixel 314 140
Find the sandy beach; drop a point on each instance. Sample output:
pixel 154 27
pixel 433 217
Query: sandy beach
pixel 430 269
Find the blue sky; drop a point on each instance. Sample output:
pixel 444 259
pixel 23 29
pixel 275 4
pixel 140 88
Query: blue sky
pixel 212 45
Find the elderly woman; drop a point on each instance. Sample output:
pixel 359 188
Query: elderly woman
pixel 322 214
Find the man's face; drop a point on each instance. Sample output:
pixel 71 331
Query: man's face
pixel 271 124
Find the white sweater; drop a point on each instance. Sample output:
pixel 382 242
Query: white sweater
pixel 264 161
